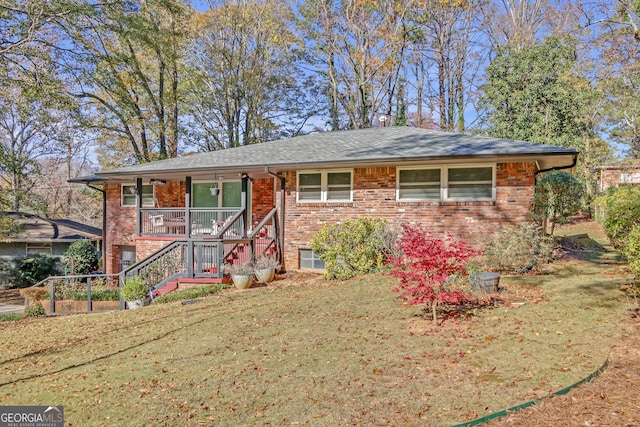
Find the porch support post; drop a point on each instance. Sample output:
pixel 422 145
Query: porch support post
pixel 138 206
pixel 283 184
pixel 187 207
pixel 245 187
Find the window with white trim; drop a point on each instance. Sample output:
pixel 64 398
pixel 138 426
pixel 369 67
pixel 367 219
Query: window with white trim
pixel 470 183
pixel 419 184
pixel 310 260
pixel 129 195
pixel 325 186
pixel 464 182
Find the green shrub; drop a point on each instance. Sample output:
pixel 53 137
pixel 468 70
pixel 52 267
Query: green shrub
pixel 354 246
pixel 200 291
pixel 30 270
pixel 631 251
pixel 135 288
pixel 558 195
pixel 81 257
pixel 97 294
pixel 35 310
pixel 518 249
pixel 620 208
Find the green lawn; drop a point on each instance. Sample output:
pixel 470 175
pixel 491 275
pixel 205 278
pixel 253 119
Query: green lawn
pixel 345 353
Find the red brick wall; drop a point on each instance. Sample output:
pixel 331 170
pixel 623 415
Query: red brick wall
pixel 262 198
pixel 374 194
pixel 121 227
pixel 121 223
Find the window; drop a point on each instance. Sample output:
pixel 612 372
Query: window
pixel 310 260
pixel 419 184
pixel 470 183
pixel 324 186
pixel 446 183
pixel 38 249
pixel 129 196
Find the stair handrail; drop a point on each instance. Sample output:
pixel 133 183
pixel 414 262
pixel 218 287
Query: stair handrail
pixel 271 215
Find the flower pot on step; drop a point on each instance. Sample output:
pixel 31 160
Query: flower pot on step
pixel 265 275
pixel 241 281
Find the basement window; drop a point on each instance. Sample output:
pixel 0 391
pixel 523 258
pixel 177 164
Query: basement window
pixel 310 260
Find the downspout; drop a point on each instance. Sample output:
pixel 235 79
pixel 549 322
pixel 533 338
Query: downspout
pixel 103 244
pixel 281 219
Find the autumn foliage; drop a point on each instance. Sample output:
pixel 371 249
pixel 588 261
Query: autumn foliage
pixel 427 267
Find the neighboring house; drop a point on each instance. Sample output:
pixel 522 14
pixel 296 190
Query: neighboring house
pixel 37 235
pixel 612 176
pixel 277 195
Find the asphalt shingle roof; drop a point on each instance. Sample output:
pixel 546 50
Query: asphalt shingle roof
pixel 34 228
pixel 375 145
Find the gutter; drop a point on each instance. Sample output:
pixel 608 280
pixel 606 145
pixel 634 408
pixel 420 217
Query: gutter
pixel 557 168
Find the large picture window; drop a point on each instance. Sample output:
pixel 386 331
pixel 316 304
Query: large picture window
pixel 129 195
pixel 475 182
pixel 325 186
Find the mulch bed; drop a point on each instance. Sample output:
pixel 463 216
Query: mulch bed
pixel 610 399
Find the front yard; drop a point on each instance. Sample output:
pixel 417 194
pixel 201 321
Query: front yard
pixel 319 353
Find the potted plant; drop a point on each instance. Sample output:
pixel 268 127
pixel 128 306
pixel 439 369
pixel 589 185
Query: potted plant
pixel 135 292
pixel 265 267
pixel 241 274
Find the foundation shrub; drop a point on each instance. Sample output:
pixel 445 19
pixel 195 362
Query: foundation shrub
pixel 81 257
pixel 428 267
pixel 518 249
pixel 558 195
pixel 353 247
pixel 620 208
pixel 631 251
pixel 31 269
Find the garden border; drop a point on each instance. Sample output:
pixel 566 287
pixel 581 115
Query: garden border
pixel 525 405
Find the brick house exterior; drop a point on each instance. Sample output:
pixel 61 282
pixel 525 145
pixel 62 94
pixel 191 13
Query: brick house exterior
pixel 465 185
pixel 612 176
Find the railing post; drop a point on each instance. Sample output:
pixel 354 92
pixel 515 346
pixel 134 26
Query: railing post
pixel 89 308
pixel 219 259
pixel 52 303
pixel 190 258
pixel 121 284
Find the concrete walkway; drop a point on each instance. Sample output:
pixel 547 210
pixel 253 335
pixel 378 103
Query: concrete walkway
pixel 11 308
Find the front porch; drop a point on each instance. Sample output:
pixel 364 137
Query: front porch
pixel 198 233
pixel 201 252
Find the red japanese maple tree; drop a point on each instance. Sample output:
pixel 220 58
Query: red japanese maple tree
pixel 427 266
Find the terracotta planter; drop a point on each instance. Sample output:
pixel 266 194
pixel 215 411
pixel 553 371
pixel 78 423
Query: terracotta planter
pixel 241 281
pixel 265 275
